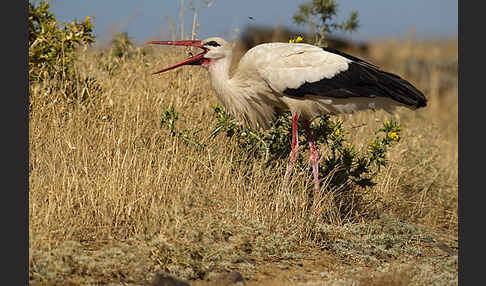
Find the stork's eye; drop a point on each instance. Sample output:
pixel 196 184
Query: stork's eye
pixel 212 43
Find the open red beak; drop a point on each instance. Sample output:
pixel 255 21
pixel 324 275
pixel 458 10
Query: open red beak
pixel 194 60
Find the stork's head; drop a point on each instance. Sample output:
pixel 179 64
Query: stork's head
pixel 213 48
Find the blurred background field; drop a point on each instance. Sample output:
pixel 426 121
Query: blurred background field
pixel 115 195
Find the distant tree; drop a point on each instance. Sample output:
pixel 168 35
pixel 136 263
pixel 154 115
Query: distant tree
pixel 319 15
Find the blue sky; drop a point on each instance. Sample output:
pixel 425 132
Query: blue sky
pixel 145 19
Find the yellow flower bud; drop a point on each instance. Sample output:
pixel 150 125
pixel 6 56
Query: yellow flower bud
pixel 394 136
pixel 299 39
pixel 373 144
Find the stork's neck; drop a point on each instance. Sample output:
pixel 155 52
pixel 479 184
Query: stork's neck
pixel 237 94
pixel 219 69
pixel 220 80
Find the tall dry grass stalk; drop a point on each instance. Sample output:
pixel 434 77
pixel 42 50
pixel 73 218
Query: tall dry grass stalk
pixel 183 35
pixel 106 169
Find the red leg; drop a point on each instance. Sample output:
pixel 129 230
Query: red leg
pixel 295 148
pixel 314 156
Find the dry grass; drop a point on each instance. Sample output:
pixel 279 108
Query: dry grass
pixel 114 197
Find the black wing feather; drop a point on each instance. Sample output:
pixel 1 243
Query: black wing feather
pixel 362 79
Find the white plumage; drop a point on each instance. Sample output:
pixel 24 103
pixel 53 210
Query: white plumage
pixel 305 79
pixel 284 65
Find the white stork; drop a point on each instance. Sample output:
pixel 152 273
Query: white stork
pixel 305 79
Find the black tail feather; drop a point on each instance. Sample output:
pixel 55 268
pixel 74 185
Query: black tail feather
pixel 400 89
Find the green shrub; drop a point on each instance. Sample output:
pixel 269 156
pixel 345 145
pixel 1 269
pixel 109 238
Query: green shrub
pixel 52 52
pixel 52 45
pixel 344 161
